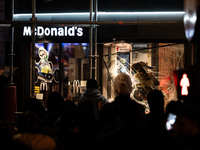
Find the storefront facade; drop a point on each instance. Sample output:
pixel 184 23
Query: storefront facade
pixel 73 47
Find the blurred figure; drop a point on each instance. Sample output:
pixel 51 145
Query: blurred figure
pixel 172 106
pixel 29 128
pixel 122 89
pixel 34 105
pixel 27 141
pixel 32 119
pixel 68 104
pixel 88 110
pixel 3 82
pixel 90 125
pixel 92 92
pixel 29 122
pixel 55 103
pixel 185 133
pixel 155 120
pixel 68 129
pixel 126 129
pixel 110 113
pixel 6 139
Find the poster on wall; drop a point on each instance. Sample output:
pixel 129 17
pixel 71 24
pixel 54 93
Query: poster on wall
pixel 46 67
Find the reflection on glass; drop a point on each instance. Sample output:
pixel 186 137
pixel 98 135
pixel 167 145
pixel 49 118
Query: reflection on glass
pixel 76 69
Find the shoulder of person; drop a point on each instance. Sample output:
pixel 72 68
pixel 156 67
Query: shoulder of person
pixel 104 99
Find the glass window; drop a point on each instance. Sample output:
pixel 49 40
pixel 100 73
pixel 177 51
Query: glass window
pixel 74 66
pixel 46 70
pixel 76 69
pixel 150 66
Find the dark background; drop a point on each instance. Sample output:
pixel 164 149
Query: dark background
pixel 103 5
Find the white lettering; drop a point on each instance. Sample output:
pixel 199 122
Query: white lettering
pixel 60 32
pixel 40 31
pixel 65 31
pixel 47 31
pixel 53 30
pixel 27 31
pixel 71 31
pixel 80 32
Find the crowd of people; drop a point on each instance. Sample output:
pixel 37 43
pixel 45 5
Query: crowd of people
pixel 121 124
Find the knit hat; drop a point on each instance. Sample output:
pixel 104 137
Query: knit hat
pixel 122 85
pixel 92 83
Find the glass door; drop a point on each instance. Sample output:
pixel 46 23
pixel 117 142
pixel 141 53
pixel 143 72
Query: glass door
pixel 75 69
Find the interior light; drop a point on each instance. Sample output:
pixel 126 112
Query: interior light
pixel 106 13
pixel 143 13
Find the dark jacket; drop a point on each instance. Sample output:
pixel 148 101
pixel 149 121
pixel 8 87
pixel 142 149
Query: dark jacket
pixel 95 95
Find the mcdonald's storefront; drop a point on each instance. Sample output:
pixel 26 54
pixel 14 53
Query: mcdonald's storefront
pixel 61 61
pixel 66 55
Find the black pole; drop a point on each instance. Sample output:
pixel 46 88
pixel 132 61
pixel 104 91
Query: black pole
pixel 32 91
pixel 11 47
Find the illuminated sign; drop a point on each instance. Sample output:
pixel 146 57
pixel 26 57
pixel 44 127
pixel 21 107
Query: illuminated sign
pixel 123 47
pixel 61 31
pixel 43 86
pixel 184 83
pixel 187 84
pixel 37 89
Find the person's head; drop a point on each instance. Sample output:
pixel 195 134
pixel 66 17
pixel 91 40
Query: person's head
pixel 54 101
pixel 172 106
pixel 1 70
pixel 122 85
pixel 34 105
pixel 92 83
pixel 155 99
pixel 29 122
pixel 70 120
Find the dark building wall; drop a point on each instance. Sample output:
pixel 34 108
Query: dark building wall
pixel 141 33
pixel 103 5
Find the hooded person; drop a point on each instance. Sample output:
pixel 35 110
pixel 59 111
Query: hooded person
pixel 123 118
pixel 92 93
pixel 122 85
pixel 122 90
